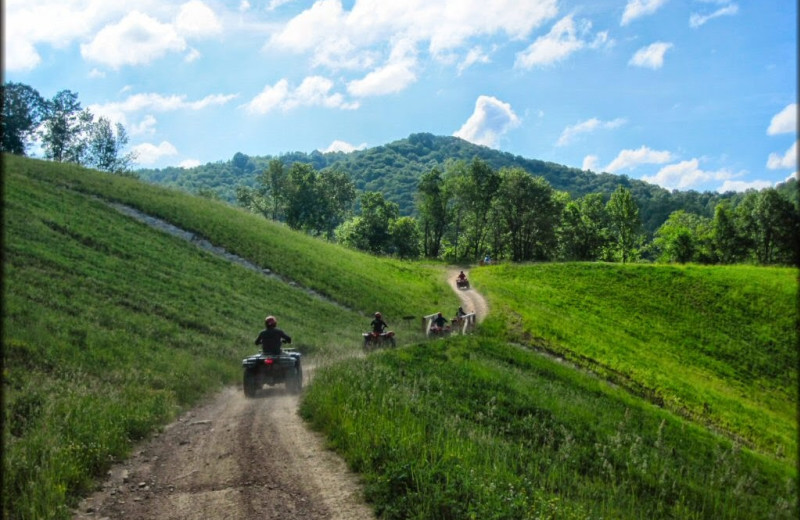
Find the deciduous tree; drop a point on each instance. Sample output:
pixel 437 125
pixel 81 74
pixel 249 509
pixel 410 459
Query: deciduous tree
pixel 23 110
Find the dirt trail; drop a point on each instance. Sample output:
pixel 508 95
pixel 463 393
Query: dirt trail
pixel 238 459
pixel 234 458
pixel 471 300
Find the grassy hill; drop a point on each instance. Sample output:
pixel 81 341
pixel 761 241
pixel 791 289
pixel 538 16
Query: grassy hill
pixel 395 168
pixel 110 327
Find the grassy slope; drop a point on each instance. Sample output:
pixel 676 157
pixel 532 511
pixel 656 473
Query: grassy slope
pixel 99 306
pixel 109 327
pixel 714 343
pixel 478 428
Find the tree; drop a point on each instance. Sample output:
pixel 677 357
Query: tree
pixel 336 196
pixel 405 237
pixel 776 227
pixel 685 237
pixel 105 147
pixel 65 128
pixel 583 232
pixel 370 231
pixel 478 196
pixel 275 179
pixel 23 110
pixel 728 244
pixel 432 202
pixel 529 212
pixel 624 223
pixel 301 197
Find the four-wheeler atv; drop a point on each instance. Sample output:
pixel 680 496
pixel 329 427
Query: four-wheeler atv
pixel 462 283
pixel 374 340
pixel 271 369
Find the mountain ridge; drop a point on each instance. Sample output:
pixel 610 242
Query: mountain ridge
pixel 395 168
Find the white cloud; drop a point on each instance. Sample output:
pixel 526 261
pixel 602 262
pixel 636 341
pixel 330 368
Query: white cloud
pixel 244 6
pixel 117 111
pixel 629 159
pixel 148 153
pixel 590 162
pixel 784 122
pixel 146 126
pixel 361 38
pixel 192 55
pixel 696 20
pixel 685 175
pixel 273 4
pixel 196 20
pixel 651 56
pixel 136 40
pixel 740 186
pixel 785 161
pixel 96 73
pixel 560 42
pixel 475 55
pixel 48 22
pixel 638 8
pixel 343 146
pixel 491 119
pixel 313 91
pixel 189 163
pixel 395 76
pixel 590 125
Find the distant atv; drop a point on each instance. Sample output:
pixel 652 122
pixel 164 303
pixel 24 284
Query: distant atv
pixel 375 340
pixel 462 283
pixel 269 369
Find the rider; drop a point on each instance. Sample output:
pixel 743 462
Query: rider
pixel 439 322
pixel 378 324
pixel 462 276
pixel 271 337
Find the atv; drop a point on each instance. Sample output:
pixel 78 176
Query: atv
pixel 462 283
pixel 273 369
pixel 374 340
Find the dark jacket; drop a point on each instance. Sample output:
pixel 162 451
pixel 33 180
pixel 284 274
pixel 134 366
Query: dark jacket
pixel 271 339
pixel 378 325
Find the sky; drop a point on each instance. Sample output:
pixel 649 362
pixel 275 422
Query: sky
pixel 686 94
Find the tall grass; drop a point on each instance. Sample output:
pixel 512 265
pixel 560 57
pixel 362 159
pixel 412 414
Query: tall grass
pixel 111 327
pixel 718 344
pixel 475 428
pixel 357 280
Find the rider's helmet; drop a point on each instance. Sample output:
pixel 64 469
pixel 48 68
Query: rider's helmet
pixel 270 322
pixel 439 315
pixel 378 315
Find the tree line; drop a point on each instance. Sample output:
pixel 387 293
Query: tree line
pixel 468 210
pixel 65 131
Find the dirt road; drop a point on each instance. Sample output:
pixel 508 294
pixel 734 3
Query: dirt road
pixel 471 300
pixel 233 458
pixel 239 459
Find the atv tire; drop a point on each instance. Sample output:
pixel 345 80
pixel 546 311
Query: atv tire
pixel 294 383
pixel 249 384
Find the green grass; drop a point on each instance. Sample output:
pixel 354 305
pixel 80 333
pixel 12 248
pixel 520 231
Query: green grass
pixel 110 327
pixel 717 344
pixel 476 428
pixel 354 279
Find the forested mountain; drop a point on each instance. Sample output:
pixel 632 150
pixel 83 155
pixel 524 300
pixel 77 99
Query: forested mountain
pixel 395 169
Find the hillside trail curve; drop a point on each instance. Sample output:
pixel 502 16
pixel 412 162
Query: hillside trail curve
pixel 238 458
pixel 471 300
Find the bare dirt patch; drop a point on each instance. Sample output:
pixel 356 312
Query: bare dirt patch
pixel 234 458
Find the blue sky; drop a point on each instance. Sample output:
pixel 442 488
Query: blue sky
pixel 687 94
